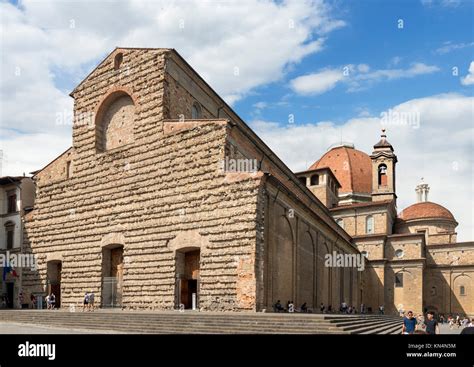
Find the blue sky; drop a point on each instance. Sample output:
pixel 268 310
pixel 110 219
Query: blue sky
pixel 372 37
pixel 336 66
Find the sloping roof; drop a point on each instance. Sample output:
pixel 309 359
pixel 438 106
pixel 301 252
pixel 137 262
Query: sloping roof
pixel 5 180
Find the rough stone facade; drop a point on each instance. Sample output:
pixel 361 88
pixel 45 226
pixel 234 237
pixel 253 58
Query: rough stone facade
pixel 144 180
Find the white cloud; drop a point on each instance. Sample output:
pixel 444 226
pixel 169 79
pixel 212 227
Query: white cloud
pixel 395 61
pixel 469 78
pixel 390 74
pixel 363 68
pixel 260 105
pixel 449 47
pixel 24 153
pixel 215 40
pixel 422 133
pixel 46 44
pixel 316 83
pixel 443 3
pixel 358 77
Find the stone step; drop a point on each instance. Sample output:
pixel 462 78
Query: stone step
pixel 342 323
pixel 306 323
pixel 397 329
pixel 146 321
pixel 370 329
pixel 143 323
pixel 374 323
pixel 184 328
pixel 365 317
pixel 205 323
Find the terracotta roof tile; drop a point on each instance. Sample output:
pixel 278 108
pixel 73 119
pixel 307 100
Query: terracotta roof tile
pixel 425 209
pixel 352 168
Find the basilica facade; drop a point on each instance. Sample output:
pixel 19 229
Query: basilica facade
pixel 151 209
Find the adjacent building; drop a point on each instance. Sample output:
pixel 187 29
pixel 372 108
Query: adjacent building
pixel 17 195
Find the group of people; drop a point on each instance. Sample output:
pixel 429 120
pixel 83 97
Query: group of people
pixel 347 309
pixel 344 308
pixel 429 324
pixel 51 301
pixel 458 321
pixel 290 307
pixel 88 302
pixel 420 324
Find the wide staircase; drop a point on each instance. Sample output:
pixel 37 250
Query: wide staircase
pixel 205 322
pixel 173 322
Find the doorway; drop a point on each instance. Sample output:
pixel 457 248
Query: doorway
pixel 54 269
pixel 187 275
pixel 112 276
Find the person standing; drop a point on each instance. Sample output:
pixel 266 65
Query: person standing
pixel 91 301
pixel 52 300
pixel 431 324
pixel 86 302
pixel 33 301
pixel 343 307
pixel 409 323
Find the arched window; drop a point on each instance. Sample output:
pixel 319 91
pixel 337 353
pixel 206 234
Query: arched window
pixel 365 254
pixel 314 180
pixel 382 170
pixel 115 121
pixel 369 224
pixel 118 61
pixel 462 290
pixel 9 234
pixel 196 111
pixel 340 221
pixel 302 180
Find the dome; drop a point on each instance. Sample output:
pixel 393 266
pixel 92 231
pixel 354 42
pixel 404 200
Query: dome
pixel 352 168
pixel 425 209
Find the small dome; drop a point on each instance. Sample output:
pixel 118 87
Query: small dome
pixel 352 168
pixel 425 209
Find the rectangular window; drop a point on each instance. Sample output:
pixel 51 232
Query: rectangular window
pixel 10 238
pixel 399 280
pixel 68 169
pixel 11 201
pixel 370 225
pixel 462 291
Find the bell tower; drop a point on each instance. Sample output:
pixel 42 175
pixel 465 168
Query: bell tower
pixel 383 170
